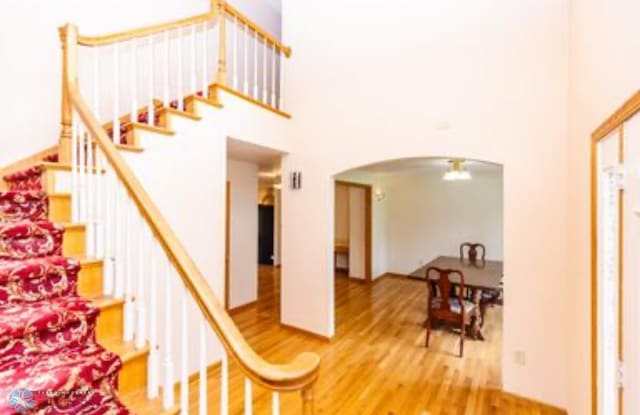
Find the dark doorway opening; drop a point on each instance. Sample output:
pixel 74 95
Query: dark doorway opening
pixel 265 234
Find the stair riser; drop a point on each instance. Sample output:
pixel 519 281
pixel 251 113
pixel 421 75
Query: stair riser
pixel 60 208
pixel 133 375
pixel 110 323
pixel 74 241
pixel 91 279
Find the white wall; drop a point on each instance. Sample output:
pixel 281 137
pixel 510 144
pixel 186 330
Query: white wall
pixel 243 256
pixel 429 217
pixel 29 44
pixel 357 224
pixel 604 64
pixel 496 72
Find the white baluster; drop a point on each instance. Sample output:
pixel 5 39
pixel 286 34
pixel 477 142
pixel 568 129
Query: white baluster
pixel 131 237
pixel 151 110
pixel 168 399
pixel 273 76
pixel 265 97
pixel 167 51
pixel 91 218
pixel 110 231
pixel 193 88
pixel 275 403
pixel 120 238
pixel 141 304
pixel 248 396
pixel 96 82
pixel 203 368
pixel 75 185
pixel 234 48
pixel 256 42
pixel 116 94
pixel 154 381
pixel 99 204
pixel 134 81
pixel 281 100
pixel 245 47
pixel 82 175
pixel 180 94
pixel 184 352
pixel 205 86
pixel 224 384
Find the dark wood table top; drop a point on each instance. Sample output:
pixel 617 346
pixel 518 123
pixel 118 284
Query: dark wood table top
pixel 481 274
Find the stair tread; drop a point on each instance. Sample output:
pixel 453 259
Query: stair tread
pixel 11 270
pixel 126 350
pixel 138 402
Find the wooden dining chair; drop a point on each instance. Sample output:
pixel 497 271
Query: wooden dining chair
pixel 447 304
pixel 472 251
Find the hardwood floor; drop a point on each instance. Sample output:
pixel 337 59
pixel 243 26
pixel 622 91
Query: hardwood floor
pixel 377 363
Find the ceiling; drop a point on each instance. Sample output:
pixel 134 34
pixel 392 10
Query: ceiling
pixel 426 165
pixel 267 159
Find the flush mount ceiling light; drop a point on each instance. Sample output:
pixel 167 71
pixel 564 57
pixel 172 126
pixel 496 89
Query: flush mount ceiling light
pixel 456 171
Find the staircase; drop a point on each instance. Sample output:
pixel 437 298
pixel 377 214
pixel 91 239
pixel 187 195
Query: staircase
pixel 102 310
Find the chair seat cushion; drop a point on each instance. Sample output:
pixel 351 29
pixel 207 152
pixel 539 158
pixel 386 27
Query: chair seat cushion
pixel 454 305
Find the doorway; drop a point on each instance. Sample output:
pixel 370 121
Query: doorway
pixel 266 221
pixel 615 242
pixel 353 230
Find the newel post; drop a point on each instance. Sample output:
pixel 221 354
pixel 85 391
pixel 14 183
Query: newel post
pixel 69 40
pixel 308 401
pixel 222 51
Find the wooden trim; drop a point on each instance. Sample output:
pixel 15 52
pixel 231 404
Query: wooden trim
pixel 533 401
pixel 214 93
pixel 227 245
pixel 622 114
pixel 296 375
pixel 368 230
pixel 617 120
pixel 25 163
pixel 286 50
pixel 144 31
pixel 621 266
pixel 304 332
pixel 243 307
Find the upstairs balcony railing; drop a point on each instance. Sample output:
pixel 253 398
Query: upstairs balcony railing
pixel 169 307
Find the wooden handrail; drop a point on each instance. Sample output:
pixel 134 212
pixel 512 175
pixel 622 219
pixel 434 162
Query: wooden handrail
pixel 286 50
pixel 144 31
pixel 298 375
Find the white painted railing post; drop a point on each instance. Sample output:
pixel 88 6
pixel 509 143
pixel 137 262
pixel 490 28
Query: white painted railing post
pixel 265 75
pixel 167 50
pixel 224 384
pixel 140 303
pixel 245 48
pixel 248 396
pixel 273 76
pixel 134 81
pixel 90 189
pixel 131 238
pixel 75 170
pixel 234 48
pixel 154 358
pixel 120 239
pixel 184 352
pixel 275 403
pixel 281 97
pixel 205 85
pixel 256 44
pixel 116 94
pixel 192 87
pixel 180 94
pixel 151 78
pixel 202 402
pixel 168 399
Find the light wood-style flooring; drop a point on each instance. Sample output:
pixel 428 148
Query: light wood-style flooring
pixel 377 363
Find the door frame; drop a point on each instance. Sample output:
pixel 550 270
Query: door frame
pixel 368 228
pixel 227 245
pixel 614 122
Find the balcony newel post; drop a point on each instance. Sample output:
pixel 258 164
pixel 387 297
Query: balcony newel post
pixel 308 401
pixel 222 53
pixel 69 40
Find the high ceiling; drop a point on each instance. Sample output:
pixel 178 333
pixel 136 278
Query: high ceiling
pixel 424 164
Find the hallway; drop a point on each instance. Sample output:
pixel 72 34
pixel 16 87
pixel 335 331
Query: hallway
pixel 377 363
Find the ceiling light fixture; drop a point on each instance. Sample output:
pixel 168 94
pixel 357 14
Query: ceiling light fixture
pixel 456 171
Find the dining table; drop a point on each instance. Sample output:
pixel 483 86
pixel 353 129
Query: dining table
pixel 479 275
